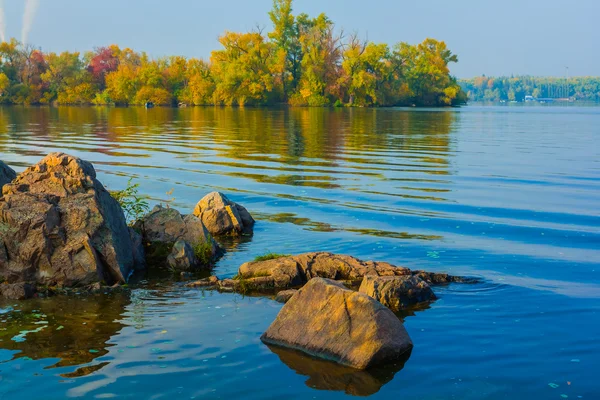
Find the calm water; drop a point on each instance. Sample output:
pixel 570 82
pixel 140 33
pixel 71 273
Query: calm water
pixel 507 194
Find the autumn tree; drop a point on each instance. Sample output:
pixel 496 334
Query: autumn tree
pixel 320 64
pixel 243 70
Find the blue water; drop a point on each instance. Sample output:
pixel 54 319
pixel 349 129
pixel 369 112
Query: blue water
pixel 507 194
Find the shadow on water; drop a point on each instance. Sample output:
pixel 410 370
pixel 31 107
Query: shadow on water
pixel 326 375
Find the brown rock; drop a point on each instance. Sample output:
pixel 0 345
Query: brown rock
pixel 59 226
pixel 296 270
pixel 397 292
pixel 278 273
pixel 222 216
pixel 17 291
pixel 326 320
pixel 7 175
pixel 206 282
pixel 285 295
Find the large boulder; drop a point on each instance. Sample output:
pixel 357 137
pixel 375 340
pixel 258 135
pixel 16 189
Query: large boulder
pixel 60 226
pixel 7 174
pixel 222 216
pixel 163 227
pixel 327 320
pixel 397 292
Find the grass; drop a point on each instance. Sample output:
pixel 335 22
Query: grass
pixel 270 256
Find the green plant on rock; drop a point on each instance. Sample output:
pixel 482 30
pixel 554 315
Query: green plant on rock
pixel 203 252
pixel 134 207
pixel 270 256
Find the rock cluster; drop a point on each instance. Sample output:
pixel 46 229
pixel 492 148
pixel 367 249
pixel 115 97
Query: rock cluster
pixel 294 271
pixel 327 320
pixel 7 174
pixel 182 241
pixel 222 216
pixel 59 226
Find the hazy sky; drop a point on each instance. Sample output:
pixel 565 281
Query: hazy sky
pixel 492 37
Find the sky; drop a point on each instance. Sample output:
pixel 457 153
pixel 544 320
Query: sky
pixel 491 37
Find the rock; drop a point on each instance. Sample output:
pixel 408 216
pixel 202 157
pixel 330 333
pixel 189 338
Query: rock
pixel 60 227
pixel 326 320
pixel 17 291
pixel 182 257
pixel 285 295
pixel 291 271
pixel 163 227
pixel 222 216
pixel 7 175
pixel 272 274
pixel 397 292
pixel 206 282
pixel 435 278
pixel 295 271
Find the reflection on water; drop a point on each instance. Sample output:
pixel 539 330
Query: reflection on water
pixel 507 194
pixel 325 375
pixel 72 329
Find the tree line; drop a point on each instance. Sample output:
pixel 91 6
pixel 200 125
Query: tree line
pixel 515 88
pixel 302 61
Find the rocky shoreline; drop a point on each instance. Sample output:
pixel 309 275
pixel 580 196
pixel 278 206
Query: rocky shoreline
pixel 61 230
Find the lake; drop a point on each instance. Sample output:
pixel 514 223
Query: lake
pixel 507 194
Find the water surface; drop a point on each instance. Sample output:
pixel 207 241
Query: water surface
pixel 508 194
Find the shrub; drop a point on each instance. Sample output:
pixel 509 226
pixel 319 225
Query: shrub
pixel 134 207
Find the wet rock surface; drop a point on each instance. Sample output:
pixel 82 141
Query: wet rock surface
pixel 222 216
pixel 60 226
pixel 327 320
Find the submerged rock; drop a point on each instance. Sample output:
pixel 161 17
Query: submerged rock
pixel 222 216
pixel 60 226
pixel 7 174
pixel 285 295
pixel 163 227
pixel 327 320
pixel 397 292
